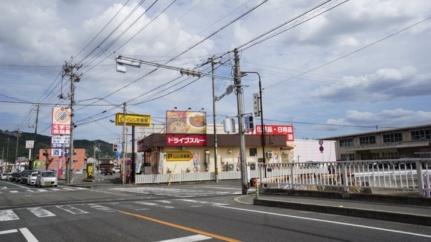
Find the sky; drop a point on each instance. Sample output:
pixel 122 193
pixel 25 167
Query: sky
pixel 345 67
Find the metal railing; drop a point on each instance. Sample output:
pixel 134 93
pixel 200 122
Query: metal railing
pixel 406 175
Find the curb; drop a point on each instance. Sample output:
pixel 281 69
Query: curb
pixel 353 212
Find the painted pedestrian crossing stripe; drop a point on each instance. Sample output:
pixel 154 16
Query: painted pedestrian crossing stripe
pixel 51 211
pixel 191 238
pixel 43 190
pixel 41 212
pixel 8 215
pixel 174 192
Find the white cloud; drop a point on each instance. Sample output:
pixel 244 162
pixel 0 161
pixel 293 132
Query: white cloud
pixel 384 84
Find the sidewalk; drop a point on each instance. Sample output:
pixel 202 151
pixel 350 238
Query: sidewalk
pixel 404 213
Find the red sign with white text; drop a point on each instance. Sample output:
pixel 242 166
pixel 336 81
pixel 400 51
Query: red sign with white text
pixel 186 140
pixel 276 130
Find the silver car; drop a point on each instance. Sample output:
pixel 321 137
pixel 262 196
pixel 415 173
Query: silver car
pixel 31 180
pixel 46 178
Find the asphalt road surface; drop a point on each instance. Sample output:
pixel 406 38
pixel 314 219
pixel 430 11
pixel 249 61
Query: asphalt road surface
pixel 202 212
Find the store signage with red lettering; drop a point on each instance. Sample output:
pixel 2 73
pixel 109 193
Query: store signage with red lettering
pixel 276 130
pixel 186 140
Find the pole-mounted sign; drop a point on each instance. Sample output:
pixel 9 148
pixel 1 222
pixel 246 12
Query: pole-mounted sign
pixel 133 119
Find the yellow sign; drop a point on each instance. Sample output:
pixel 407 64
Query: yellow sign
pixel 90 171
pixel 179 155
pixel 133 119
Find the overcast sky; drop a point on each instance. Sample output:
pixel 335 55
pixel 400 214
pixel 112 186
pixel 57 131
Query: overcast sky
pixel 361 65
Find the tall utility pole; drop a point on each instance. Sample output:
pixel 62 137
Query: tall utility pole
pixel 17 145
pixel 35 137
pixel 132 178
pixel 7 148
pixel 71 70
pixel 123 177
pixel 240 104
pixel 214 118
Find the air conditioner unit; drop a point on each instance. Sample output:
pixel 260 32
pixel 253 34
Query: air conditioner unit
pixel 230 167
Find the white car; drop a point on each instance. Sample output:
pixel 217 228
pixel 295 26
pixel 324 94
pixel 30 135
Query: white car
pixel 46 178
pixel 31 180
pixel 5 176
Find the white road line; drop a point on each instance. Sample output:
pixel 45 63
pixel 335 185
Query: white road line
pixel 101 207
pixel 13 191
pixel 4 188
pixel 164 201
pixel 68 189
pixel 41 212
pixel 223 188
pixel 147 203
pixel 10 231
pixel 203 202
pixel 55 189
pixel 71 210
pixel 191 238
pixel 8 215
pixel 28 235
pixel 41 190
pixel 330 222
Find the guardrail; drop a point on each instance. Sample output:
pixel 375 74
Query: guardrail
pixel 412 175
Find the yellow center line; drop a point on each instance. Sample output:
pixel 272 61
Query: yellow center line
pixel 178 226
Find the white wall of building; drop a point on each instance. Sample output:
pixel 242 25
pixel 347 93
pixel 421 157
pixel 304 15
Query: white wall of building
pixel 308 150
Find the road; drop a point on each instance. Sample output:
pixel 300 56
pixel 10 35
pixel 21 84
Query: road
pixel 196 212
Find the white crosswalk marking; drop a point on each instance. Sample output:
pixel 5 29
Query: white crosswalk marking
pixel 8 215
pixel 203 202
pixel 164 201
pixel 41 212
pixel 28 235
pixel 55 189
pixel 192 238
pixel 100 207
pixel 154 204
pixel 71 210
pixel 42 190
pixel 13 191
pixel 68 189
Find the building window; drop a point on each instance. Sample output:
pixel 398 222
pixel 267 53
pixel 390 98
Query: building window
pixel 423 134
pixel 346 142
pixel 392 138
pixel 253 151
pixel 347 157
pixel 367 140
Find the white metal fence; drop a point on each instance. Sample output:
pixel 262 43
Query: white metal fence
pixel 352 176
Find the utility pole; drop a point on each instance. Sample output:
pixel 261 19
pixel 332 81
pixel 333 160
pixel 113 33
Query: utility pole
pixel 35 137
pixel 214 118
pixel 123 177
pixel 71 70
pixel 132 178
pixel 17 145
pixel 7 148
pixel 240 104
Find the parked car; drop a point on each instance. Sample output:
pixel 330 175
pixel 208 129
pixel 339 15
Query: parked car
pixel 46 178
pixel 31 180
pixel 24 176
pixel 14 176
pixel 5 175
pixel 116 170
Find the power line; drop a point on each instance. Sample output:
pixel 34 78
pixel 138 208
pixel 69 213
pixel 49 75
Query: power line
pixel 132 37
pixel 354 51
pixel 113 31
pixel 187 50
pixel 102 29
pixel 112 42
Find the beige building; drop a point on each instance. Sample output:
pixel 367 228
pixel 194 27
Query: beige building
pixel 159 158
pixel 407 142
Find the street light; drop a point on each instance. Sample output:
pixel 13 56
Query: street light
pixel 262 134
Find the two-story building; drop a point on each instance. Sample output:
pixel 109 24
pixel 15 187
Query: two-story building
pixel 407 142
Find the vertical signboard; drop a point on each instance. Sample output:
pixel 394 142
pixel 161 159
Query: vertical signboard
pixel 61 117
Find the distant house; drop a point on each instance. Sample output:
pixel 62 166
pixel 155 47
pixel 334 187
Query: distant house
pixel 407 142
pixel 56 162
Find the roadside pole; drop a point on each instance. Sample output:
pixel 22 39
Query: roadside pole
pixel 34 150
pixel 123 164
pixel 214 119
pixel 132 178
pixel 240 106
